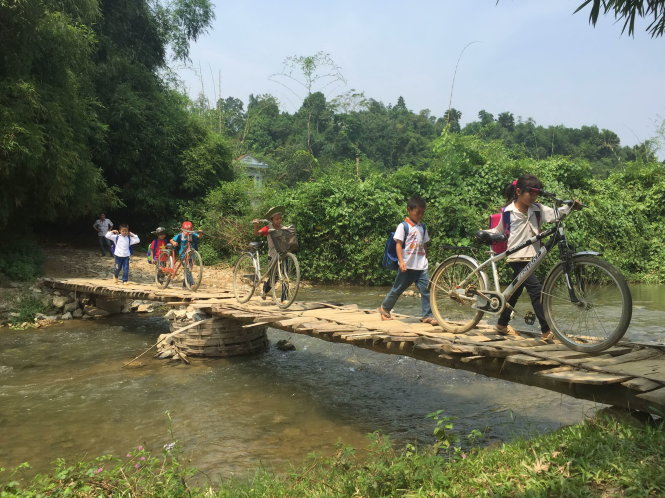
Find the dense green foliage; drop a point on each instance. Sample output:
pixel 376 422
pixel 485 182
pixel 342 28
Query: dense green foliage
pixel 88 118
pixel 601 457
pixel 343 220
pixel 21 259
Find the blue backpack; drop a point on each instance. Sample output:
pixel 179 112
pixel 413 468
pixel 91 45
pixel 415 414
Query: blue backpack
pixel 390 261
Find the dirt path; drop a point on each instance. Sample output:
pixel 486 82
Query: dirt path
pixel 62 260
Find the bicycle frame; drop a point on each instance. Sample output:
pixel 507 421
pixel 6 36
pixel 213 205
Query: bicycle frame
pixel 257 264
pixel 171 253
pixel 564 255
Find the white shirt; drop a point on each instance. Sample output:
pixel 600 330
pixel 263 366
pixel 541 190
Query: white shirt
pixel 122 244
pixel 413 249
pixel 102 226
pixel 524 226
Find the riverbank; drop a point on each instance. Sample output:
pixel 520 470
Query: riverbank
pixel 604 456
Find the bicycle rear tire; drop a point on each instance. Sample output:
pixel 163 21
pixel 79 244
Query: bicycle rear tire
pixel 193 270
pixel 285 280
pixel 164 266
pixel 603 315
pixel 450 306
pixel 245 277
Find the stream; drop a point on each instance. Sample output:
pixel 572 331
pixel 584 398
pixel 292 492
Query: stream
pixel 63 393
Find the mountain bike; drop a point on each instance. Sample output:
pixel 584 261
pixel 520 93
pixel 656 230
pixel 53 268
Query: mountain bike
pixel 283 270
pixel 587 302
pixel 168 263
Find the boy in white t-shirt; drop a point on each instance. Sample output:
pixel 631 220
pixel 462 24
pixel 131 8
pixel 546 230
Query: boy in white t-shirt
pixel 412 258
pixel 122 242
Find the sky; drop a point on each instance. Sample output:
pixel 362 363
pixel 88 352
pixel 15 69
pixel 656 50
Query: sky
pixel 534 58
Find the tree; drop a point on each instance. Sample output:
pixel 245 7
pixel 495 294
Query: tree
pixel 485 117
pixel 451 119
pixel 506 120
pixel 629 11
pixel 49 117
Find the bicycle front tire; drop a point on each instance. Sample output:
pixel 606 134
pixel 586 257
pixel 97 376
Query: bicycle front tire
pixel 245 277
pixel 603 313
pixel 449 302
pixel 285 280
pixel 193 270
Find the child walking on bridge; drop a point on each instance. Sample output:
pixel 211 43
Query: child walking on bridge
pixel 524 216
pixel 123 241
pixel 411 240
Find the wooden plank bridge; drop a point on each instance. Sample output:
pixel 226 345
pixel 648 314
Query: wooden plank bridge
pixel 628 375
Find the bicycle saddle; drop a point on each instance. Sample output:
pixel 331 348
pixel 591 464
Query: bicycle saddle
pixel 483 237
pixel 254 245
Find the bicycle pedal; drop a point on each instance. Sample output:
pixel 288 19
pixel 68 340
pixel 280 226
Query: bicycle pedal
pixel 530 318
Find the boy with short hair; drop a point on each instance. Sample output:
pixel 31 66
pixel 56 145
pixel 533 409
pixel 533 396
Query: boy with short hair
pixel 187 233
pixel 411 246
pixel 122 240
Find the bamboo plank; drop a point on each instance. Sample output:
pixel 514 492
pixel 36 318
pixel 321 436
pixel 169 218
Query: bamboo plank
pixel 642 385
pixel 568 374
pixel 657 396
pixel 471 359
pixel 525 359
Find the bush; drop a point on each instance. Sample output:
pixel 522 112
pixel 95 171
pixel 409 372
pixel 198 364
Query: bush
pixel 22 260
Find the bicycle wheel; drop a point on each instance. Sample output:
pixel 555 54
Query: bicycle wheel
pixel 193 270
pixel 451 304
pixel 285 280
pixel 162 278
pixel 245 277
pixel 168 270
pixel 603 314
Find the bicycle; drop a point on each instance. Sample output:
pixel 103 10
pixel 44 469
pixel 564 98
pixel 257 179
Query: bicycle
pixel 283 270
pixel 167 265
pixel 586 301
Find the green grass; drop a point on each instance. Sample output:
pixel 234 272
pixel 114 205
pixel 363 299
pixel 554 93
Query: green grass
pixel 601 457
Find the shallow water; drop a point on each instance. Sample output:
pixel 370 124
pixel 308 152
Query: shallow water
pixel 63 393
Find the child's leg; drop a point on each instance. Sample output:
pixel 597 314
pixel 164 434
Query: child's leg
pixel 504 318
pixel 534 288
pixel 402 281
pixel 117 265
pixel 422 282
pixel 125 269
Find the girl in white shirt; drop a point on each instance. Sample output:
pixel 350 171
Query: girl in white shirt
pixel 526 216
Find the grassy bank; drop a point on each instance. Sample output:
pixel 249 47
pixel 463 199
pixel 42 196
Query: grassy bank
pixel 601 457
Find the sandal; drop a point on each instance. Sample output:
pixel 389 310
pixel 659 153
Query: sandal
pixel 385 315
pixel 548 337
pixel 507 330
pixel 430 320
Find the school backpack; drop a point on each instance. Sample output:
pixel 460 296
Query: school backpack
pixel 502 246
pixel 390 261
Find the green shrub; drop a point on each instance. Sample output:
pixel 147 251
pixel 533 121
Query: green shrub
pixel 22 260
